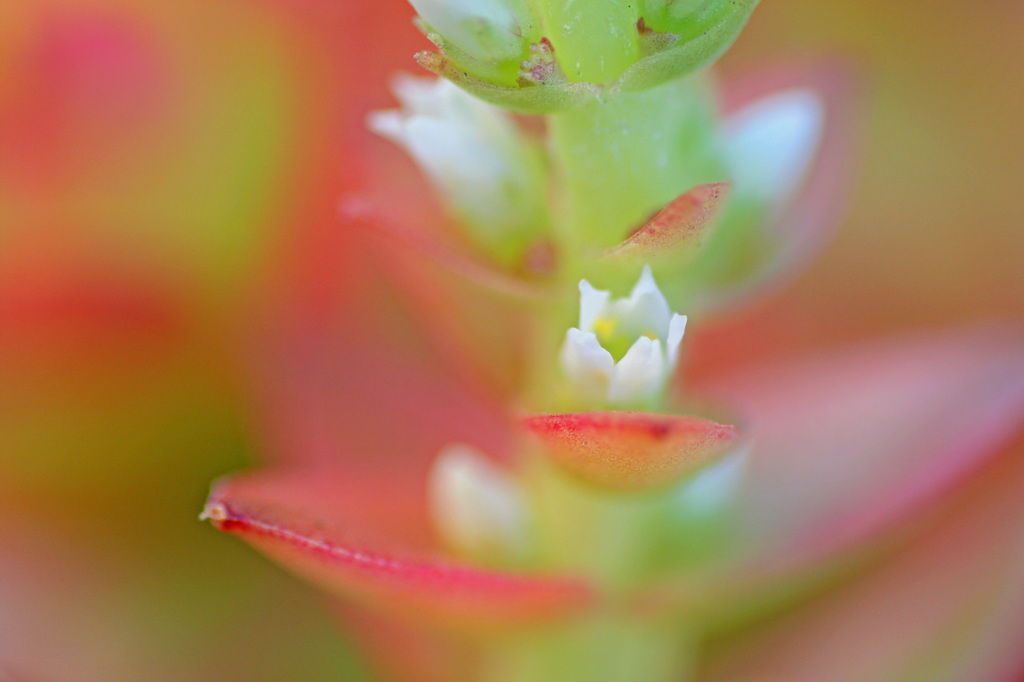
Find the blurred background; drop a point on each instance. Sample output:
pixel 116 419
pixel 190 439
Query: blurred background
pixel 169 179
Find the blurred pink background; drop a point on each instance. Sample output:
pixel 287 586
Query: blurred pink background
pixel 169 178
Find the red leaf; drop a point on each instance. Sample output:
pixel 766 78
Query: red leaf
pixel 367 537
pixel 682 223
pixel 851 447
pixel 947 607
pixel 629 450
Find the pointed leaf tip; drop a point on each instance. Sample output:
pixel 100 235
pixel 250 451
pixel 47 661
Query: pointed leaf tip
pixel 630 450
pixel 365 538
pixel 680 224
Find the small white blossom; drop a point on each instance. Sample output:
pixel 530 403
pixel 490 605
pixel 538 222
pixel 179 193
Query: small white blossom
pixel 472 151
pixel 624 350
pixel 476 507
pixel 772 143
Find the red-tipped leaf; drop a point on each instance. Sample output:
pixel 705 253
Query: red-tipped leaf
pixel 368 537
pixel 679 225
pixel 629 450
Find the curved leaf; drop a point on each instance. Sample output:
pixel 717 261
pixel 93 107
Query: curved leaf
pixel 629 450
pixel 680 224
pixel 703 42
pixel 367 537
pixel 948 607
pixel 850 447
pixel 393 234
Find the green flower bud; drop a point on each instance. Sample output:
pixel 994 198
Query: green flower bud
pixel 562 54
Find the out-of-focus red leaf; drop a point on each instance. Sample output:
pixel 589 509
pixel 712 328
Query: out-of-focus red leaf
pixel 363 393
pixel 396 236
pixel 366 536
pixel 62 310
pixel 401 653
pixel 849 446
pixel 946 608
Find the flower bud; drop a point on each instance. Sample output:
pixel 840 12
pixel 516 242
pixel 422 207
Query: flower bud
pixel 488 173
pixel 625 350
pixel 564 54
pixel 772 143
pixel 476 507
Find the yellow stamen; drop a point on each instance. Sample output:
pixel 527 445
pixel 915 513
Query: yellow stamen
pixel 605 327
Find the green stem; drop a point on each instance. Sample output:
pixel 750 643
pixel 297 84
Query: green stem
pixel 623 158
pixel 600 650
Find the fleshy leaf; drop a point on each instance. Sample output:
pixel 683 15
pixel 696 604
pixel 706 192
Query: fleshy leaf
pixel 629 450
pixel 367 537
pixel 853 446
pixel 846 444
pixel 476 316
pixel 670 52
pixel 704 38
pixel 487 31
pixel 946 608
pixel 680 224
pixel 360 213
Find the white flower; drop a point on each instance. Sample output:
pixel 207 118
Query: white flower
pixel 625 350
pixel 490 175
pixel 772 142
pixel 476 507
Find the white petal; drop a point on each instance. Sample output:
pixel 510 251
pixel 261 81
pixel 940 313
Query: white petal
pixel 587 365
pixel 423 96
pixel 676 329
pixel 773 141
pixel 646 309
pixel 640 373
pixel 389 124
pixel 472 151
pixel 476 507
pixel 645 284
pixel 458 159
pixel 592 304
